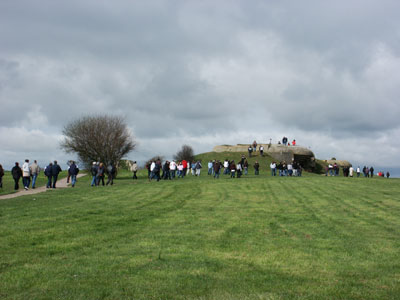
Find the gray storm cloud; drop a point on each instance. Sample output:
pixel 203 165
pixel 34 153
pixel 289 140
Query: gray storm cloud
pixel 205 73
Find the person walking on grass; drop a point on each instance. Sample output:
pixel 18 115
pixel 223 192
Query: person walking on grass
pixel 55 170
pixel 166 173
pixel 273 168
pixel 1 176
pixel 217 169
pixel 226 167
pixel 233 169
pixel 210 167
pixel 16 173
pixel 111 171
pixel 26 174
pixel 256 168
pixel 134 169
pixel 184 166
pixel 180 170
pixel 250 150
pixel 254 146
pixel 93 172
pixel 35 170
pixel 100 174
pixel 172 169
pixel 73 170
pixel 198 167
pixel 48 174
pixel 239 169
pixel 246 167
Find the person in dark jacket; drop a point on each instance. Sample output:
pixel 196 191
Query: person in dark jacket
pixel 55 170
pixel 157 169
pixel 217 167
pixel 16 173
pixel 1 176
pixel 371 171
pixel 48 174
pixel 232 167
pixel 256 168
pixel 93 171
pixel 100 174
pixel 111 171
pixel 73 171
pixel 166 173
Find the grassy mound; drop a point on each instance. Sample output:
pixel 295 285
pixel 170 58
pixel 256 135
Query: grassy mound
pixel 259 237
pixel 264 161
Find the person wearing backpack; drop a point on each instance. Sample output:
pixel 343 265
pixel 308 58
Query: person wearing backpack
pixel 48 174
pixel 55 170
pixel 73 171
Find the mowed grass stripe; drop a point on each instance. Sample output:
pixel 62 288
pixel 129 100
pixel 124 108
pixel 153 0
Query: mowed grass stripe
pixel 200 238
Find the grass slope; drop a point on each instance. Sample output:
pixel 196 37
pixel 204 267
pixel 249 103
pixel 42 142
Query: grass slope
pixel 259 237
pixel 264 161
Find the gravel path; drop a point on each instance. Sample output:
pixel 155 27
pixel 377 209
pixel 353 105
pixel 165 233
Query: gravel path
pixel 62 183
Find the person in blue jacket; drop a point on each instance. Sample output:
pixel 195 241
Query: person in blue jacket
pixel 55 170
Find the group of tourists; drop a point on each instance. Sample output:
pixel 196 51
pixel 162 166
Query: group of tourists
pixel 156 170
pixel 334 170
pixel 173 169
pixel 285 142
pixel 99 171
pixel 29 174
pixel 253 148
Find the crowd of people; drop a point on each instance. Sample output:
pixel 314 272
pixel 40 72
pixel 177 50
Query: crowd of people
pixel 156 170
pixel 334 170
pixel 29 174
pixel 99 171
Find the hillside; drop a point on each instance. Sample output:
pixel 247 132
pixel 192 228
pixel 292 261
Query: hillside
pixel 264 161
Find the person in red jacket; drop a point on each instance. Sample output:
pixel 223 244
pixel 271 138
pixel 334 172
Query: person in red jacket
pixel 185 165
pixel 294 143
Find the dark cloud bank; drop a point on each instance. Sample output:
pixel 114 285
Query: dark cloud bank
pixel 203 73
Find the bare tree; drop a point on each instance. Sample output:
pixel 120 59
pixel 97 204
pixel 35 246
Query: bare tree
pixel 98 138
pixel 186 153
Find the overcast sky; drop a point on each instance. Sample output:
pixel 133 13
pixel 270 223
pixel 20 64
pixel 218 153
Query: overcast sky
pixel 203 73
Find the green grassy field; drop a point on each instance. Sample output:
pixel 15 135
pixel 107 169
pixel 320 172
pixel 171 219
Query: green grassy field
pixel 313 237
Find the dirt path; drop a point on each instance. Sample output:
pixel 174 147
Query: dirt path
pixel 62 183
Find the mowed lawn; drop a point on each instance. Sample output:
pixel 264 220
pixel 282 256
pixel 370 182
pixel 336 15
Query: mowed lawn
pixel 313 237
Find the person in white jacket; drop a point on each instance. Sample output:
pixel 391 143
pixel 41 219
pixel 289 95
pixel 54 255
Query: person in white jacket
pixel 134 169
pixel 26 174
pixel 172 168
pixel 273 168
pixel 351 171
